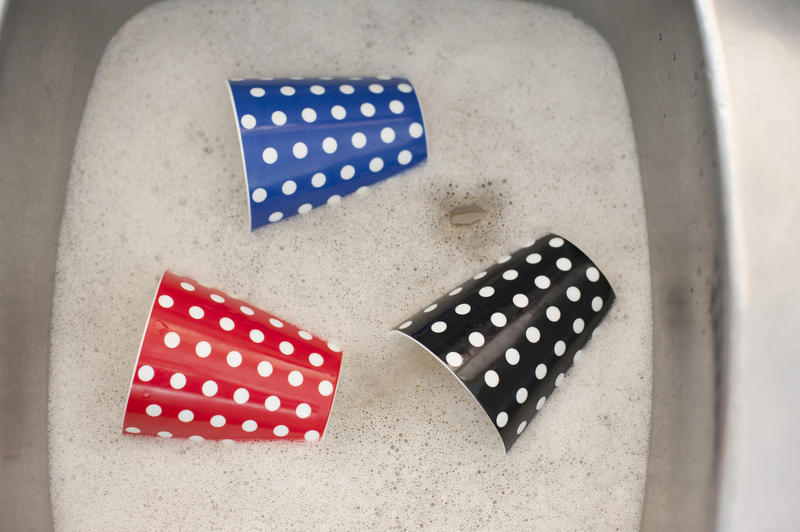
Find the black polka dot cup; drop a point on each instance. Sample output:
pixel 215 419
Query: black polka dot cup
pixel 308 142
pixel 213 367
pixel 511 332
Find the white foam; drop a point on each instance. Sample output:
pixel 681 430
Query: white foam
pixel 525 115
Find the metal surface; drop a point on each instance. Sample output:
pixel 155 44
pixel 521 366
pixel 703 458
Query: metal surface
pixel 724 441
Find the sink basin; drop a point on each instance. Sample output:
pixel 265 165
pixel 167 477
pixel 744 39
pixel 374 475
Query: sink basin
pixel 717 154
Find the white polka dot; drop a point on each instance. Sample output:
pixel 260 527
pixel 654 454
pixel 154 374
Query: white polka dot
pixel 376 164
pixel 346 89
pixel 573 293
pixel 315 359
pixel 177 381
pixel 305 335
pixel 376 88
pixel 334 347
pixel 439 326
pixel 217 421
pixel 504 259
pixel 234 359
pixel 501 419
pixel 278 118
pixel 286 347
pixel 387 135
pixel 521 427
pixel 272 403
pixel 295 378
pixel 289 187
pixel 520 300
pixel 189 287
pixel 347 172
pixel 532 334
pixel 133 430
pixel 202 349
pixel 270 155
pixel 430 308
pixel 325 388
pixel 404 157
pixel 541 371
pixel 165 301
pixel 367 109
pixel 415 130
pixel 556 242
pixel 552 313
pixel 542 281
pixel 486 291
pixel 303 410
pixel 592 274
pixel 404 87
pixel 275 322
pixel 533 258
pixel 564 264
pixel 276 216
pixel 498 319
pixel 247 310
pixel 256 336
pixel 196 312
pixel 510 275
pixel 359 140
pixel 264 368
pixel 491 378
pixel 404 325
pixel 259 195
pixel 454 359
pixel 172 339
pixel 462 309
pixel 186 415
pixel 164 434
pixel 249 425
pixel 287 90
pixel 479 275
pixel 210 388
pixel 560 348
pixel 336 199
pixel 248 121
pixel 578 355
pixel 338 112
pixel 309 115
pixel 258 92
pixel 476 339
pixel 559 379
pixel 597 303
pixel 312 435
pixel 329 145
pixel 226 324
pixel 317 89
pixel 578 326
pixel 318 179
pixel 522 395
pixel 512 356
pixel 153 410
pixel 396 106
pixel 455 291
pixel 280 431
pixel 196 438
pixel 241 396
pixel 146 373
pixel 540 403
pixel 304 208
pixel 218 298
pixel 299 150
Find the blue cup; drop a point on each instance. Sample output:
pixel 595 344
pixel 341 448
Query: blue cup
pixel 308 142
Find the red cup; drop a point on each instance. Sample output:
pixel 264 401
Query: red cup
pixel 213 367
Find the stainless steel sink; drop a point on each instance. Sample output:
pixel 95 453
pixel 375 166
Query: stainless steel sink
pixel 712 87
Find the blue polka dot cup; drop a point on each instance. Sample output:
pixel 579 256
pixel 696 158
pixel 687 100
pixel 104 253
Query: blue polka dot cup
pixel 308 142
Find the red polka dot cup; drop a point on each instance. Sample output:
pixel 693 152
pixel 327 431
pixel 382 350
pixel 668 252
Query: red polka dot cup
pixel 216 368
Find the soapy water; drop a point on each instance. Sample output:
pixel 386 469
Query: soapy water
pixel 526 117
